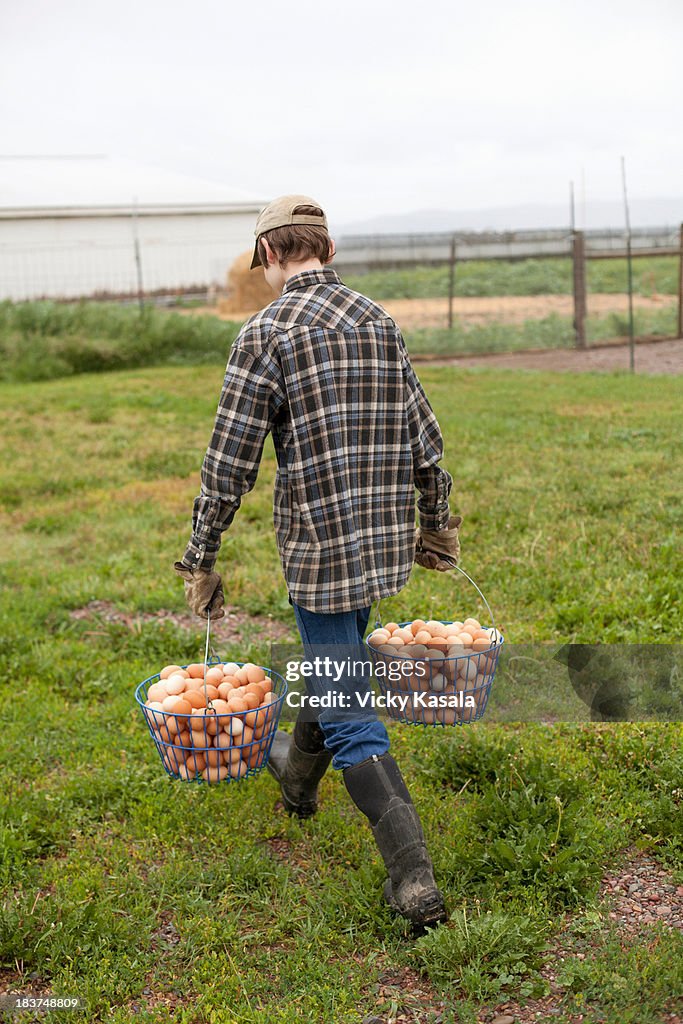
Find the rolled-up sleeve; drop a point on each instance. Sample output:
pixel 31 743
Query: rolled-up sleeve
pixel 432 481
pixel 250 398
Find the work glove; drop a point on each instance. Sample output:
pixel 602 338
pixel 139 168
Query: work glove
pixel 439 549
pixel 203 590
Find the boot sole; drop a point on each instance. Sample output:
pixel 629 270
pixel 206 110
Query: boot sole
pixel 300 810
pixel 429 911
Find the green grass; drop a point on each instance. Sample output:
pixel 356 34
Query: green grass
pixel 44 340
pixel 129 890
pixel 522 277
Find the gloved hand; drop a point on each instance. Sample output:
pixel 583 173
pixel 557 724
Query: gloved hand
pixel 438 549
pixel 203 590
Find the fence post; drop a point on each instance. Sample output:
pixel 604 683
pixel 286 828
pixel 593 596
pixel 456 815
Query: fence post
pixel 679 333
pixel 579 274
pixel 451 282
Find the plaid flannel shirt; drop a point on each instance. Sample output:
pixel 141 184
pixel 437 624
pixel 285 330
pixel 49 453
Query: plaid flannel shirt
pixel 326 371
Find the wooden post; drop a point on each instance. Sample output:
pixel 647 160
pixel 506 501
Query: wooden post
pixel 579 273
pixel 451 282
pixel 679 333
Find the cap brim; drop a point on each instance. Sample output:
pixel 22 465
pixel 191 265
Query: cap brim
pixel 256 259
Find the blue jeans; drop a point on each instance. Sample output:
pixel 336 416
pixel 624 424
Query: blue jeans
pixel 353 741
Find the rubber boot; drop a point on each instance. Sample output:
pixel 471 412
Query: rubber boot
pixel 298 762
pixel 377 788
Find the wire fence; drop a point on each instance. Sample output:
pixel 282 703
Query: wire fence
pixel 485 293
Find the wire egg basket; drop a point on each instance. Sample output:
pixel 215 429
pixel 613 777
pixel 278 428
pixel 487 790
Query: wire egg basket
pixel 211 743
pixel 440 682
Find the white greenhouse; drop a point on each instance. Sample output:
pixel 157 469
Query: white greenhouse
pixel 95 227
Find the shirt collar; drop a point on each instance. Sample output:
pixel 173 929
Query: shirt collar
pixel 311 278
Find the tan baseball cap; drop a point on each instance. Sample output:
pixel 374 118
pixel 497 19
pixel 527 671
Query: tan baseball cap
pixel 280 214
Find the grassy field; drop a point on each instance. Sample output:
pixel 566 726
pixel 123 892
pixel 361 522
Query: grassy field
pixel 652 275
pixel 160 901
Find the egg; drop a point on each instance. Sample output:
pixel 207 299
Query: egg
pixel 235 726
pixel 222 740
pixel 214 676
pixel 255 758
pixel 254 674
pixel 241 675
pixel 475 623
pixel 157 692
pixel 195 698
pixel 175 684
pixel 237 705
pixel 423 636
pixel 468 670
pixel 183 738
pixel 481 644
pixel 215 773
pixel 391 626
pixel 169 670
pixel 465 639
pixel 438 682
pixel 237 769
pixel 417 625
pixel 195 671
pixel 169 703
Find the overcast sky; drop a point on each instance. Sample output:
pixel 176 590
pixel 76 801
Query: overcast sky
pixel 369 107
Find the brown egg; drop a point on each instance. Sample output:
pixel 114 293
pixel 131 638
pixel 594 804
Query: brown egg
pixel 220 707
pixel 195 671
pixel 423 636
pixel 246 736
pixel 237 705
pixel 214 675
pixel 230 667
pixel 254 674
pixel 241 675
pixel 472 622
pixel 255 758
pixel 252 700
pixel 465 639
pixel 215 773
pixel 195 698
pixel 169 670
pixel 417 625
pixel 157 692
pixel 236 769
pixel 391 626
pixel 183 738
pixel 222 740
pixel 206 721
pixel 481 644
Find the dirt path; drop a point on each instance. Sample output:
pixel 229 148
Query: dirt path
pixel 512 309
pixel 652 357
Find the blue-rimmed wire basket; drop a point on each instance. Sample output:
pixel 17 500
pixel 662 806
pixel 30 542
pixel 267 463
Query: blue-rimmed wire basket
pixel 215 746
pixel 437 684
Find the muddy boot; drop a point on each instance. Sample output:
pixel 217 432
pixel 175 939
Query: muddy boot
pixel 377 788
pixel 298 762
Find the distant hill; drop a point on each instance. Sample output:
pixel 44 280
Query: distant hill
pixel 608 214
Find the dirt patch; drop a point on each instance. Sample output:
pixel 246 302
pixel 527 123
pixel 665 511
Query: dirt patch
pixel 652 357
pixel 511 309
pixel 236 627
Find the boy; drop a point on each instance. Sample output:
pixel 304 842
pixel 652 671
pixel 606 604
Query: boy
pixel 325 370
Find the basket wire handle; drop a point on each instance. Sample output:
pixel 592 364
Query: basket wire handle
pixel 206 655
pixel 453 563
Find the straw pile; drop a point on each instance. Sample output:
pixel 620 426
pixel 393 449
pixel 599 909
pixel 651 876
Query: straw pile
pixel 247 289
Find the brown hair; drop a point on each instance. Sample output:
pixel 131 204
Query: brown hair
pixel 297 241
